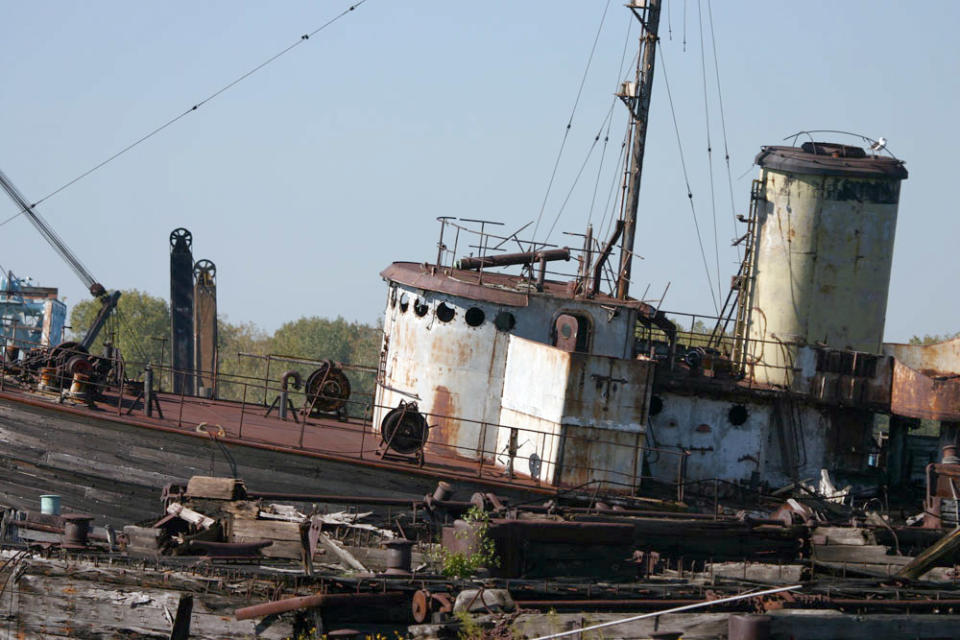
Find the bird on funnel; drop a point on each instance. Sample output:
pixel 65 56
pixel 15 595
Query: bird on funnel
pixel 879 145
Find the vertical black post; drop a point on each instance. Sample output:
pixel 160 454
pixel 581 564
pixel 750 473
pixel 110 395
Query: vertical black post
pixel 148 390
pixel 205 327
pixel 181 310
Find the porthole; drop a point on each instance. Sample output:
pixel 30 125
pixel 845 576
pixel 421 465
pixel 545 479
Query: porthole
pixel 474 316
pixel 535 464
pixel 420 307
pixel 656 405
pixel 738 415
pixel 404 302
pixel 445 312
pixel 505 321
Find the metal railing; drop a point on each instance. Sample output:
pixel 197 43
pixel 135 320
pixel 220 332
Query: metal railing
pixel 248 420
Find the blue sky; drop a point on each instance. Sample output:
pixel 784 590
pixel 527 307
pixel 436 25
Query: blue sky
pixel 308 178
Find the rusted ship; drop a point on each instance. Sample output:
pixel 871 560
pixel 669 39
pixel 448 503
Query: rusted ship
pixel 530 382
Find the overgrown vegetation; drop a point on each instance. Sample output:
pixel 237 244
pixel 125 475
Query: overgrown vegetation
pixel 469 629
pixel 482 553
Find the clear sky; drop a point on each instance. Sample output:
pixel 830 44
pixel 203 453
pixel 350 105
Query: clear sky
pixel 304 181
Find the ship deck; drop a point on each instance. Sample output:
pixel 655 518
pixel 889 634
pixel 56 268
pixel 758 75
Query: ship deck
pixel 248 424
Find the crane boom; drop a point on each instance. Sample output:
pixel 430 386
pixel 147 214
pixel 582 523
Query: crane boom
pixel 96 289
pixel 107 302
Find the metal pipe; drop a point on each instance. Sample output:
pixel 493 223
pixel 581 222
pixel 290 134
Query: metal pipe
pixel 507 259
pixel 454 505
pixel 319 600
pixel 604 254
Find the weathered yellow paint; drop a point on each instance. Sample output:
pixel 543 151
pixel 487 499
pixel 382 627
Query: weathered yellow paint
pixel 824 246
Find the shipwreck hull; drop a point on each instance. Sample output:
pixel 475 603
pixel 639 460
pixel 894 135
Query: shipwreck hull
pixel 114 468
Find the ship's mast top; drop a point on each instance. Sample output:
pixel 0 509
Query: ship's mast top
pixel 636 95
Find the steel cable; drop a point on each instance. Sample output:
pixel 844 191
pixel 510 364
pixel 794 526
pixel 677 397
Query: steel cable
pixel 192 109
pixel 683 165
pixel 566 133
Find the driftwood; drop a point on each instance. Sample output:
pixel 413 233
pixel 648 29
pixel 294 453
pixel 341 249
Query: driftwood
pixel 191 516
pixel 340 552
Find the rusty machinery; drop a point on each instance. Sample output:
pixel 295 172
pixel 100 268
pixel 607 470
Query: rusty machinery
pixel 941 505
pixel 69 359
pixel 327 390
pixel 403 432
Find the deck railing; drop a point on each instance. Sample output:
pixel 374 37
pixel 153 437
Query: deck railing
pixel 249 419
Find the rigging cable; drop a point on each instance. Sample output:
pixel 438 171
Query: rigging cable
pixel 623 147
pixel 596 185
pixel 192 109
pixel 669 25
pixel 566 133
pixel 607 222
pixel 623 58
pixel 684 26
pixel 723 123
pixel 686 179
pixel 583 166
pixel 706 115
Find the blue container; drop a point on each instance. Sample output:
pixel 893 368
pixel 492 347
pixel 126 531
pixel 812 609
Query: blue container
pixel 50 504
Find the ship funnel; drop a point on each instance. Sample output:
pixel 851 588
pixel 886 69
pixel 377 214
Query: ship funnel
pixel 825 219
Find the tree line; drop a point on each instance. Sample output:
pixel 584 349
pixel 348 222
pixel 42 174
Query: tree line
pixel 140 328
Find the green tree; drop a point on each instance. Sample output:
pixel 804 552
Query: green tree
pixel 933 339
pixel 138 327
pixel 237 370
pixel 321 338
pixel 315 338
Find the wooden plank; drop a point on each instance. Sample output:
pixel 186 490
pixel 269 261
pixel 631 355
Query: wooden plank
pixel 265 530
pixel 181 624
pixel 786 623
pixel 873 554
pixel 756 572
pixel 219 488
pixel 941 548
pixel 843 535
pixel 345 556
pixel 61 607
pixel 191 516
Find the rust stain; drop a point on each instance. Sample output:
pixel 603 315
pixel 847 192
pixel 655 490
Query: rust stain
pixel 445 434
pixel 916 395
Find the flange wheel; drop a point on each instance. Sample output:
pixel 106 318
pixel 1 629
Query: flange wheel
pixel 327 389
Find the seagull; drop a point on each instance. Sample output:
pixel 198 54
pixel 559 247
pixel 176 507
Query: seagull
pixel 879 145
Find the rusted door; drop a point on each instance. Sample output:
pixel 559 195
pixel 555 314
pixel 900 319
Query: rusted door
pixel 567 329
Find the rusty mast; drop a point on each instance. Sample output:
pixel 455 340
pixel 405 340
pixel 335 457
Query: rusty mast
pixel 636 95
